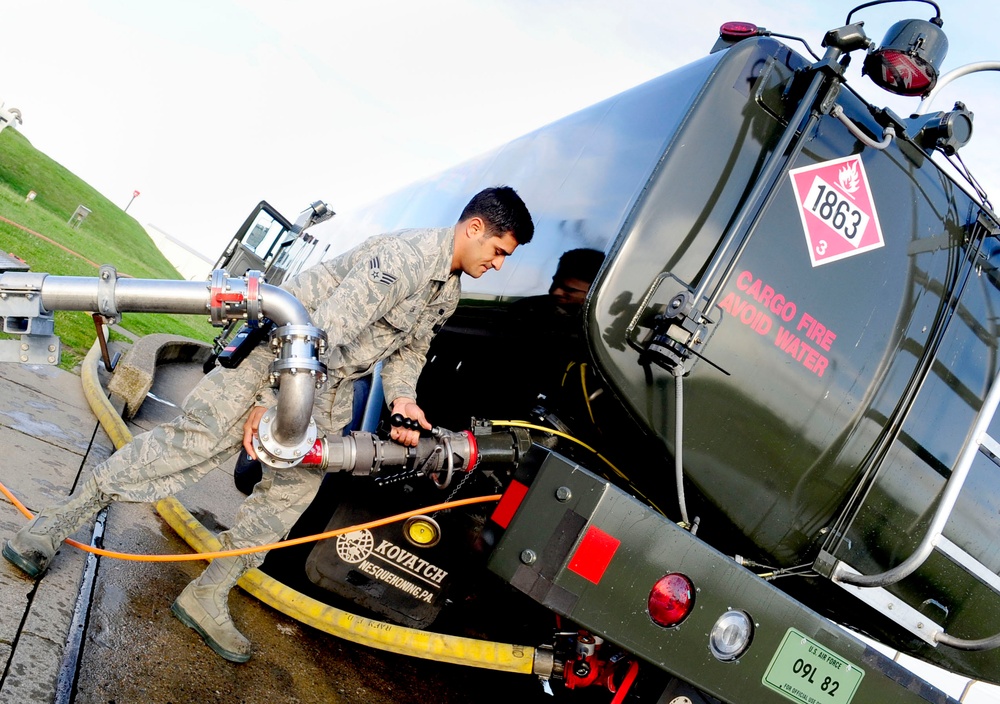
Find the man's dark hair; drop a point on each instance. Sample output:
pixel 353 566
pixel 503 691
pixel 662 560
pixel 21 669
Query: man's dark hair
pixel 582 264
pixel 503 210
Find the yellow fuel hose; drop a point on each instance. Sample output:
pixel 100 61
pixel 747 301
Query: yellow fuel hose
pixel 376 634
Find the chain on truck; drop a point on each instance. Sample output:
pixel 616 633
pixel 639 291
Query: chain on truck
pixel 770 424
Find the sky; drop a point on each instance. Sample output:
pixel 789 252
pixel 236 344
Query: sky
pixel 207 107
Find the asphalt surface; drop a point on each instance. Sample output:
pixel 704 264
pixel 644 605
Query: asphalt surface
pixel 130 647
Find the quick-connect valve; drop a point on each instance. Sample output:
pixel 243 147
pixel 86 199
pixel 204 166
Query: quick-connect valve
pixel 234 299
pixel 439 456
pixel 365 454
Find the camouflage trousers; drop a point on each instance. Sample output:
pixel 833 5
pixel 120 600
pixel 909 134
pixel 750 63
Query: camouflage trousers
pixel 176 454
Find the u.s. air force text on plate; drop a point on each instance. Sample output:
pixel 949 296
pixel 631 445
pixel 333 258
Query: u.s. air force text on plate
pixel 807 672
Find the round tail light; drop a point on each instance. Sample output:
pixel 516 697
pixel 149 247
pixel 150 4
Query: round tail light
pixel 670 600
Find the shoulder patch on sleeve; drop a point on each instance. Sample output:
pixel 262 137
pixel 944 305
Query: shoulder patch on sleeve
pixel 377 275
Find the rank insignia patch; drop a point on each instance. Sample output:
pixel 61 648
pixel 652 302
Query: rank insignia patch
pixel 379 276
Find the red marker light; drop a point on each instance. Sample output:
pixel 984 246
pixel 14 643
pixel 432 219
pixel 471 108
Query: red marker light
pixel 907 62
pixel 738 31
pixel 670 600
pixel 900 73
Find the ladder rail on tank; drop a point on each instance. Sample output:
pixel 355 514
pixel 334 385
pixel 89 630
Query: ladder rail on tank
pixel 870 588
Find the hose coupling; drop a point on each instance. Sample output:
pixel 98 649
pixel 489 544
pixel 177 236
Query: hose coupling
pixel 282 455
pixel 298 348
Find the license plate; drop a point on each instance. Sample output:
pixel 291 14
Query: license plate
pixel 810 673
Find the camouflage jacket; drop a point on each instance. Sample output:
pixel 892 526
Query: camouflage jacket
pixel 381 301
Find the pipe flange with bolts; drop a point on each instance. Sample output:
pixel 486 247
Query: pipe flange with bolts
pixel 276 454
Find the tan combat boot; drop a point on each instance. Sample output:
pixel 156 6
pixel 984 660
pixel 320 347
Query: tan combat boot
pixel 34 546
pixel 204 606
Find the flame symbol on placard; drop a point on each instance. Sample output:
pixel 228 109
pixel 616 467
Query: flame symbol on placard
pixel 849 178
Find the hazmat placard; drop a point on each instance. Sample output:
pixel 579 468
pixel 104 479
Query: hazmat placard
pixel 837 209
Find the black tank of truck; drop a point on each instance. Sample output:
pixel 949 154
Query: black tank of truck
pixel 816 315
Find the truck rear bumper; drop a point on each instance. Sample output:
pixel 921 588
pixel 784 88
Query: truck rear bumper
pixel 591 553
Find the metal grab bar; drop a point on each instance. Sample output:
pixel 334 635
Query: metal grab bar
pixel 978 441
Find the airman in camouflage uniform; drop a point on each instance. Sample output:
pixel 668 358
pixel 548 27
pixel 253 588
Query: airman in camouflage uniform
pixel 380 302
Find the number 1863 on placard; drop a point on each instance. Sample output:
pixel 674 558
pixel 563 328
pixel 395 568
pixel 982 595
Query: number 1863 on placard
pixel 836 211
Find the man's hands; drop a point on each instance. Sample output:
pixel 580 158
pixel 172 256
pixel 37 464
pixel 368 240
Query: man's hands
pixel 250 429
pixel 408 408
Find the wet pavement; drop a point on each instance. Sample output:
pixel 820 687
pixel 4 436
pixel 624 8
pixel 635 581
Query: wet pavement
pixel 131 648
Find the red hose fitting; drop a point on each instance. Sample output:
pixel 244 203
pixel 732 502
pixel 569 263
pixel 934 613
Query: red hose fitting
pixel 473 451
pixel 318 456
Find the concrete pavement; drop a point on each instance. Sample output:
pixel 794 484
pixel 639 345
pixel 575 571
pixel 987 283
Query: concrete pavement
pixel 48 438
pixel 131 647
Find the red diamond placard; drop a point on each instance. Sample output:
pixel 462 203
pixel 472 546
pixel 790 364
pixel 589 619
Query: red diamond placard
pixel 837 209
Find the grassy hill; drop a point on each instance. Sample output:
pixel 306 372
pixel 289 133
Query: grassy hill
pixel 107 236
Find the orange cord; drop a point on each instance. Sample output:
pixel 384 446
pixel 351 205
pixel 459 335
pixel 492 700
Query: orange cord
pixel 260 548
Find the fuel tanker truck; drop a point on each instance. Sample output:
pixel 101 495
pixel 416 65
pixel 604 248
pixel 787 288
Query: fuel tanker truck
pixel 768 425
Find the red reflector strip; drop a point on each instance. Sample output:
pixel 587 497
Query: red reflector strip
pixel 594 554
pixel 509 503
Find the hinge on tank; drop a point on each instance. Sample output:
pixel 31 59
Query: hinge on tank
pixel 984 227
pixel 673 336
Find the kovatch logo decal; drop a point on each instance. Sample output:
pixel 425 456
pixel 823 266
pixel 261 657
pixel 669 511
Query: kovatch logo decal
pixel 389 563
pixel 837 209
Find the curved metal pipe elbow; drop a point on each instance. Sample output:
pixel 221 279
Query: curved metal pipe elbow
pixel 282 307
pixel 297 390
pixel 289 433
